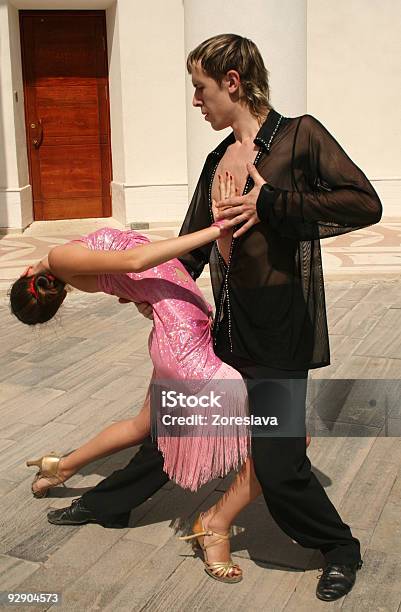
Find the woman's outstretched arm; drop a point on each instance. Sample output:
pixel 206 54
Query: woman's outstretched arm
pixel 71 260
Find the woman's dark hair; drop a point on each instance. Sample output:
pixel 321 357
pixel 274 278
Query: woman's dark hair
pixel 36 298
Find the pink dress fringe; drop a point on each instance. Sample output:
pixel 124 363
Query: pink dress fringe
pixel 192 461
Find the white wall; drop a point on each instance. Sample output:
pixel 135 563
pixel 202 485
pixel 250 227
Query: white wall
pixel 8 159
pixel 351 49
pixel 15 191
pixel 153 102
pixel 116 114
pixel 152 61
pixel 18 106
pixel 354 85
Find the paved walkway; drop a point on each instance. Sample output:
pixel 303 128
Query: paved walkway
pixel 63 382
pixel 374 252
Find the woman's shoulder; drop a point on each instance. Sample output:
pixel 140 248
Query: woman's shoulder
pixel 114 239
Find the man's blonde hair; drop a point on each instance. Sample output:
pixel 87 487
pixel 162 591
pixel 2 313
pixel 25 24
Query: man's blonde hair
pixel 219 54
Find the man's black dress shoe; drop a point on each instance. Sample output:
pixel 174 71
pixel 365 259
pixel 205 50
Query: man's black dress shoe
pixel 336 581
pixel 76 514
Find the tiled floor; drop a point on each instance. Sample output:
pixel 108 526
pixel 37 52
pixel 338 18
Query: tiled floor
pixel 64 382
pixel 374 252
pixel 61 384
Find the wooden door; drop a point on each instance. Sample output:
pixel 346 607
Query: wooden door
pixel 64 60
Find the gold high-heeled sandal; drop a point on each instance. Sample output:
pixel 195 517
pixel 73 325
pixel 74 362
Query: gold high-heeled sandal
pixel 219 570
pixel 48 468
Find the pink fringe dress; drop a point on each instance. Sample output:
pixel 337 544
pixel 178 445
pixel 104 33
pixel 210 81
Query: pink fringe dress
pixel 181 348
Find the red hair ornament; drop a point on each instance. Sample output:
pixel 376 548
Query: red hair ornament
pixel 32 288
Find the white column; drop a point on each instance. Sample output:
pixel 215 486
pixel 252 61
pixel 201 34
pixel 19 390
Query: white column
pixel 279 31
pixel 15 190
pixel 152 122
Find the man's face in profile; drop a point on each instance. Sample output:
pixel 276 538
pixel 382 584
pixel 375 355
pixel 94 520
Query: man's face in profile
pixel 213 99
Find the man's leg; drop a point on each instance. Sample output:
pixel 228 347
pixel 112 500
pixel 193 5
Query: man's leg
pixel 298 502
pixel 129 487
pixel 110 502
pixel 295 497
pixel 293 494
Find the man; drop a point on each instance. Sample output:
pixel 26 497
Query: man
pixel 270 321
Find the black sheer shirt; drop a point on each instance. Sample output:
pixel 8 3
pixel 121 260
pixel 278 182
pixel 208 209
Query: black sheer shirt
pixel 270 300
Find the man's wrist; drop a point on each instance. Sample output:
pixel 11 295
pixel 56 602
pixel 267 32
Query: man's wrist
pixel 266 198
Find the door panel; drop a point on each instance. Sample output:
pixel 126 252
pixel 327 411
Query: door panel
pixel 80 104
pixel 67 112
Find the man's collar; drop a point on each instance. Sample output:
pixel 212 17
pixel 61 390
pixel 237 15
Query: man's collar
pixel 268 130
pixel 263 137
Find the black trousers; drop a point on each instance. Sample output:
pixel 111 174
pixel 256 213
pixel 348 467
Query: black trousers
pixel 294 496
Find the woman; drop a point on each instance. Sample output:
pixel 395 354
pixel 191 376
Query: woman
pixel 127 265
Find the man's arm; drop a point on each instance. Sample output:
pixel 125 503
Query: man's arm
pixel 340 198
pixel 343 199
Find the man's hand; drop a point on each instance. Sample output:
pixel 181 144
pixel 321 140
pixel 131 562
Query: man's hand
pixel 144 308
pixel 243 208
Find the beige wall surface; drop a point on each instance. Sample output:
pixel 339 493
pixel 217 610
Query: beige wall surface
pixel 151 43
pixel 15 191
pixel 18 105
pixel 152 62
pixel 8 162
pixel 354 79
pixel 115 93
pixel 338 61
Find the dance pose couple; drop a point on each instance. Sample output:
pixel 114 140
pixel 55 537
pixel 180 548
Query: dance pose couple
pixel 295 186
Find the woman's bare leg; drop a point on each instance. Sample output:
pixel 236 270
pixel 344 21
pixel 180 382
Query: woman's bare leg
pixel 219 518
pixel 112 439
pixel 242 492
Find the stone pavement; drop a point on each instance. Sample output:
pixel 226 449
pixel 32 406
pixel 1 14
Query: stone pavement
pixel 374 252
pixel 62 383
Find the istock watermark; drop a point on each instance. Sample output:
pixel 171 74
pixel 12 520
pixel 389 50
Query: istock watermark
pixel 215 420
pixel 277 407
pixel 212 408
pixel 172 399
